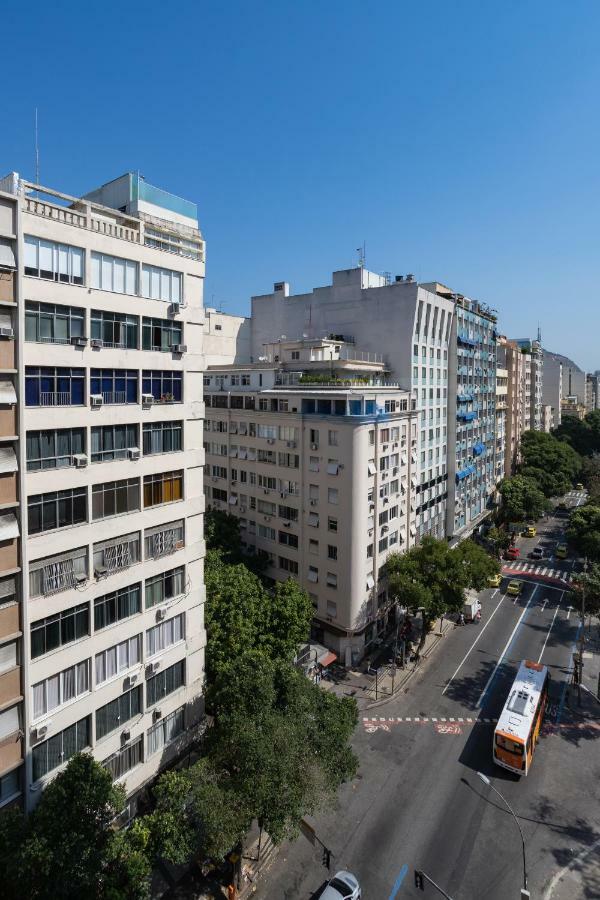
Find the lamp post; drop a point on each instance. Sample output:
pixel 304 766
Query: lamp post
pixel 524 892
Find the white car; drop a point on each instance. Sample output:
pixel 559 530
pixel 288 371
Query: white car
pixel 343 886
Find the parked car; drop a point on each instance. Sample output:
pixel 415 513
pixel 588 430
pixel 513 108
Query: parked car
pixel 514 588
pixel 512 553
pixel 343 886
pixel 529 531
pixel 562 551
pixel 579 486
pixel 494 580
pixel 537 553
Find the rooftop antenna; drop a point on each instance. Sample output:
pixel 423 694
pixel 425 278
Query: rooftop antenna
pixel 362 255
pixel 539 334
pixel 37 150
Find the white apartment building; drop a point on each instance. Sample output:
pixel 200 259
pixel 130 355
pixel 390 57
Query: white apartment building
pixel 226 338
pixel 317 455
pixel 501 413
pixel 106 311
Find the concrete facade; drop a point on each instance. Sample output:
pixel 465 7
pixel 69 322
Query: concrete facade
pixel 226 338
pixel 562 379
pixel 108 317
pixel 523 362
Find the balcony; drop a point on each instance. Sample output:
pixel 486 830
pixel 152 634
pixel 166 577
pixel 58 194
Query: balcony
pixel 10 687
pixel 114 397
pixel 55 398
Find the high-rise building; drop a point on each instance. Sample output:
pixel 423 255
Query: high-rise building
pixel 562 379
pixel 101 536
pixel 317 454
pixel 501 415
pixel 523 361
pixel 592 392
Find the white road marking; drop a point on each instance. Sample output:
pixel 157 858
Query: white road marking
pixel 551 624
pixel 544 601
pixel 474 642
pixel 562 872
pixel 506 646
pixel 569 608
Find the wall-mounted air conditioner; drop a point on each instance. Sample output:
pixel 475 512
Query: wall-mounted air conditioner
pixel 80 460
pixel 179 348
pixel 147 399
pixel 96 400
pixel 96 343
pixel 133 452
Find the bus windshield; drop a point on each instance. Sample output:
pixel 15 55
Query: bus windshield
pixel 511 746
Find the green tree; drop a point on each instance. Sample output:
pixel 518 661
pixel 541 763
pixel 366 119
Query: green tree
pixel 583 531
pixel 477 565
pixel 576 434
pixel 588 582
pixel 551 463
pixel 287 618
pixel 521 499
pixel 498 539
pixel 590 476
pixel 222 533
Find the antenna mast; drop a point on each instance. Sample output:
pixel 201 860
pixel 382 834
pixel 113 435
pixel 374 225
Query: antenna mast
pixel 37 150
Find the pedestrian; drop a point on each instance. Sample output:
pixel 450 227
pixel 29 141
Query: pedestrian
pixel 461 619
pixel 231 892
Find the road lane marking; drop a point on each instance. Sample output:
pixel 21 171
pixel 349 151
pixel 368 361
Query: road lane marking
pixel 569 609
pixel 507 645
pixel 474 642
pixel 545 600
pixel 398 881
pixel 574 863
pixel 551 624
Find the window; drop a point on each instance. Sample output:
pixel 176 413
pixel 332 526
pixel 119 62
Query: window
pixel 116 606
pixel 61 688
pixel 165 635
pixel 313 574
pixel 267 431
pixel 266 508
pixel 165 683
pixel 161 284
pixel 162 437
pixel 114 498
pixel 288 512
pixel 115 385
pixel 52 324
pixel 165 587
pixel 10 720
pixel 55 262
pixel 111 442
pixel 290 540
pixel 111 273
pixel 58 509
pixel 332 579
pixel 371 468
pixel 58 749
pixel 57 573
pixel 333 438
pixel 219 494
pixel 115 329
pixel 332 552
pixel 267 533
pixel 118 658
pixel 163 540
pixel 291 460
pixel 115 714
pixel 288 433
pixel 161 334
pixel 10 786
pixel 332 524
pixel 314 437
pixel 333 467
pixel 163 487
pixel 313 464
pixel 332 495
pixel 166 730
pixel 125 759
pixel 116 554
pixel 8 656
pixel 165 387
pixel 288 565
pixel 53 449
pixel 58 630
pixel 54 386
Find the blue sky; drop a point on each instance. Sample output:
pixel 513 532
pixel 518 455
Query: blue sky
pixel 459 139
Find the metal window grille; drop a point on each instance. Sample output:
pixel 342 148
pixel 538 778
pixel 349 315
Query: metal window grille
pixel 117 557
pixel 58 576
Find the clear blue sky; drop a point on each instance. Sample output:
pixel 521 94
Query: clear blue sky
pixel 460 140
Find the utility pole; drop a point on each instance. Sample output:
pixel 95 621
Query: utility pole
pixel 421 877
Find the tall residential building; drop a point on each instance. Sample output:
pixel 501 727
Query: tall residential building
pixel 562 379
pixel 501 415
pixel 101 618
pixel 592 392
pixel 413 326
pixel 534 382
pixel 317 455
pixel 523 362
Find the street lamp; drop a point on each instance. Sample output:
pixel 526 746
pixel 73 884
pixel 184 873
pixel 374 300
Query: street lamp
pixel 524 893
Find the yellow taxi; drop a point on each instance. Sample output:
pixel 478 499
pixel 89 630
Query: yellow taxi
pixel 494 580
pixel 514 588
pixel 561 551
pixel 529 531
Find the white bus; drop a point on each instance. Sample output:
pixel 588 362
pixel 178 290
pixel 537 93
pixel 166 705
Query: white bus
pixel 518 728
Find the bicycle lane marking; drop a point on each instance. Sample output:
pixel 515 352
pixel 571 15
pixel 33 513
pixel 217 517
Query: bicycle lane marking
pixel 398 881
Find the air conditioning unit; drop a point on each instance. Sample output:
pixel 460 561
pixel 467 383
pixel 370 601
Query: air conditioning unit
pixel 156 713
pixel 153 667
pixel 96 343
pixel 179 348
pixel 100 571
pixel 80 578
pixel 147 399
pixel 266 490
pixel 125 736
pixel 233 481
pixel 314 446
pixel 290 444
pixel 287 524
pixel 7 332
pixel 267 518
pixel 80 460
pixel 313 502
pixel 79 341
pixel 40 732
pixel 174 307
pixel 161 613
pixel 131 680
pixel 133 452
pixel 270 440
pixel 96 400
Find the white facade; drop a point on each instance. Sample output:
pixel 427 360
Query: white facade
pixel 109 338
pixel 226 338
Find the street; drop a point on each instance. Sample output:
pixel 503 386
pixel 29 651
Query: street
pixel 417 801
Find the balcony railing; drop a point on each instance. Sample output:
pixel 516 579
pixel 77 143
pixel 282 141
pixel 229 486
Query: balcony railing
pixel 114 397
pixel 55 398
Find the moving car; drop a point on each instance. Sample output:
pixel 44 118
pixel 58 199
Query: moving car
pixel 562 505
pixel 537 553
pixel 529 531
pixel 579 486
pixel 494 580
pixel 561 551
pixel 343 886
pixel 512 553
pixel 514 588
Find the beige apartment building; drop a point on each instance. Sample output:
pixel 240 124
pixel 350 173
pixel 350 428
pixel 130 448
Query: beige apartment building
pixel 501 411
pixel 101 552
pixel 317 455
pixel 522 361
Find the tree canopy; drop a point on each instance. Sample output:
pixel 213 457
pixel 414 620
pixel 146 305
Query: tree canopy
pixel 522 499
pixel 583 531
pixel 588 582
pixel 582 436
pixel 551 463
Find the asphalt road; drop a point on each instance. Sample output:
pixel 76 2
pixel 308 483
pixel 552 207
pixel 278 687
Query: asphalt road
pixel 417 801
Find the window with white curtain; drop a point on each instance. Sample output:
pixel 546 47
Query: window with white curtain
pixel 61 688
pixel 118 659
pixel 111 273
pixel 52 261
pixel 161 284
pixel 166 730
pixel 59 748
pixel 9 721
pixel 165 635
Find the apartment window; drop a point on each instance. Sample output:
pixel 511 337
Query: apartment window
pixel 283 406
pixel 8 657
pixel 161 284
pixel 61 688
pixel 116 554
pixel 115 385
pixel 333 438
pixel 267 533
pixel 115 329
pixel 370 551
pixel 161 334
pixel 371 467
pixel 288 565
pixel 165 635
pixel 333 467
pixel 114 498
pixel 332 580
pixel 332 495
pixel 265 456
pixel 125 759
pixel 115 714
pixel 383 543
pixel 288 512
pixel 290 460
pixel 48 323
pixel 52 261
pixel 57 573
pixel 58 630
pixel 116 606
pixel 111 273
pixel 58 509
pixel 313 546
pixel 332 551
pixel 10 786
pixel 267 431
pixel 288 433
pixel 165 587
pixel 163 540
pixel 54 386
pixel 118 658
pixel 53 449
pixel 219 494
pixel 332 524
pixel 58 749
pixel 111 442
pixel 163 487
pixel 165 387
pixel 313 574
pixel 163 684
pixel 166 730
pixel 290 540
pixel 162 437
